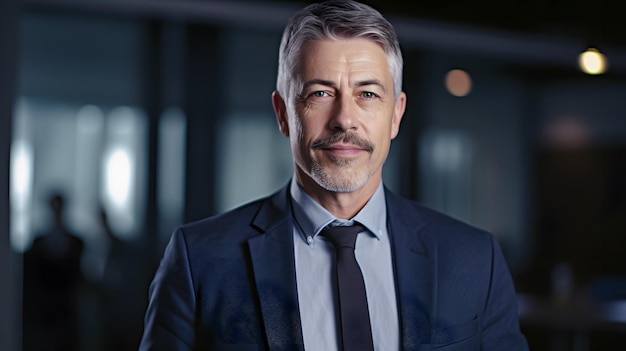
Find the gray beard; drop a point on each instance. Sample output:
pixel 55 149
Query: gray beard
pixel 337 184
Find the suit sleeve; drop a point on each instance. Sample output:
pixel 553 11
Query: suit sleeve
pixel 170 317
pixel 501 329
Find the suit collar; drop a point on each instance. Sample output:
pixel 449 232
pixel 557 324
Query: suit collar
pixel 312 218
pixel 274 211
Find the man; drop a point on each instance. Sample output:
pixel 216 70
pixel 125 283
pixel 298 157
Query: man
pixel 262 277
pixel 52 282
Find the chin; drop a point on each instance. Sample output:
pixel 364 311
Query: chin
pixel 338 181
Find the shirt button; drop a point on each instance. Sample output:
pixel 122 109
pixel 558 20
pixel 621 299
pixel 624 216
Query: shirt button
pixel 309 239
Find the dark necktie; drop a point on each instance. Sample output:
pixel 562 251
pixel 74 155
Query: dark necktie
pixel 355 322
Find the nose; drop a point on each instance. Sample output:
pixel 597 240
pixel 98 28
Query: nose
pixel 344 115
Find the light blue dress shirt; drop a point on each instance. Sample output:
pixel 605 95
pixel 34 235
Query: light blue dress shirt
pixel 314 272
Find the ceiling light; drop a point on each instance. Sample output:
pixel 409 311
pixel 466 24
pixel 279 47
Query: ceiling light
pixel 592 61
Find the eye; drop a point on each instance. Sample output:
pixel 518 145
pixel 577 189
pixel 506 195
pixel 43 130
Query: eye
pixel 319 93
pixel 368 95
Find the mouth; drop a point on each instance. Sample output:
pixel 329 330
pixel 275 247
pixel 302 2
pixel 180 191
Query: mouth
pixel 343 150
pixel 344 145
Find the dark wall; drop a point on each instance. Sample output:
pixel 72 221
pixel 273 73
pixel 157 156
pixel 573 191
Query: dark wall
pixel 9 333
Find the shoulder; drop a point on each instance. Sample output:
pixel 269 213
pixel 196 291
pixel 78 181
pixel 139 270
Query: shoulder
pixel 236 217
pixel 458 247
pixel 238 224
pixel 433 225
pixel 235 223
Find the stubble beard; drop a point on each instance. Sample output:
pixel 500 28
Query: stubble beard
pixel 343 180
pixel 341 175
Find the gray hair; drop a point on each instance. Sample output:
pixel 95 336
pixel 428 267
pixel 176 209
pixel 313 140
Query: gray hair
pixel 335 20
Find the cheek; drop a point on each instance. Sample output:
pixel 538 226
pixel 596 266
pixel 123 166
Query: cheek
pixel 306 127
pixel 298 136
pixel 300 132
pixel 295 124
pixel 382 139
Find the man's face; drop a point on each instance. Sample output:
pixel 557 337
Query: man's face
pixel 342 121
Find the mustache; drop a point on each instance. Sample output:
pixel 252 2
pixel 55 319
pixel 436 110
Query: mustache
pixel 347 138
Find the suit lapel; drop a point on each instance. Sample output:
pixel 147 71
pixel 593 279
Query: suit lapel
pixel 415 273
pixel 275 274
pixel 273 263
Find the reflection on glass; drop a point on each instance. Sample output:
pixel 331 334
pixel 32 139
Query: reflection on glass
pixel 119 174
pixel 254 159
pixel 122 165
pixel 96 157
pixel 567 132
pixel 171 170
pixel 446 158
pixel 20 191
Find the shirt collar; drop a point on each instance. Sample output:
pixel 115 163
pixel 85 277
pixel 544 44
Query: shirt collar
pixel 311 217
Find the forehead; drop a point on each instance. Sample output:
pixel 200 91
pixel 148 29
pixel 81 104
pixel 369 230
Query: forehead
pixel 344 55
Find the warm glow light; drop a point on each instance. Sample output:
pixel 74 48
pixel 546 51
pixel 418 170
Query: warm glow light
pixel 567 133
pixel 458 82
pixel 592 61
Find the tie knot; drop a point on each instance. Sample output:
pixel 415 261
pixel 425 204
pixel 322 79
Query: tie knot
pixel 342 236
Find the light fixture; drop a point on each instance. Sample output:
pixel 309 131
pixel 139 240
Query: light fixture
pixel 592 61
pixel 458 82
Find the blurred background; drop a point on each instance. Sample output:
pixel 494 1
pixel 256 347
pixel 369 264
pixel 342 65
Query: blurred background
pixel 121 119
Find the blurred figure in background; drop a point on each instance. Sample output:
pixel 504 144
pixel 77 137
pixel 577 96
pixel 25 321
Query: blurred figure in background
pixel 52 279
pixel 121 292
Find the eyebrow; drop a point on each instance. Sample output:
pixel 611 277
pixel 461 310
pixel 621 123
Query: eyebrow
pixel 332 84
pixel 327 83
pixel 371 82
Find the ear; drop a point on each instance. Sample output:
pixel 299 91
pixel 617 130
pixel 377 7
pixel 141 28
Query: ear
pixel 281 113
pixel 398 113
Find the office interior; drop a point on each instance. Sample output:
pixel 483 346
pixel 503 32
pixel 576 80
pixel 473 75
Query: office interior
pixel 146 114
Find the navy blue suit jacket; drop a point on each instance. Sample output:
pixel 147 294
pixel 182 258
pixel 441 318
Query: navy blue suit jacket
pixel 229 283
